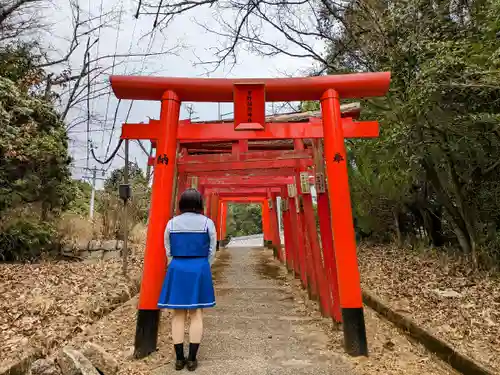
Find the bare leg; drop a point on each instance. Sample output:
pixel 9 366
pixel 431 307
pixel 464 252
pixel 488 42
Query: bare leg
pixel 178 321
pixel 195 333
pixel 196 326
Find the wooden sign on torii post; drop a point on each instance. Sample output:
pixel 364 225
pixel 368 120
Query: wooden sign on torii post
pixel 249 124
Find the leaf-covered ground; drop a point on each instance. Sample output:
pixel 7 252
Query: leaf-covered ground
pixel 42 305
pixel 391 353
pixel 441 294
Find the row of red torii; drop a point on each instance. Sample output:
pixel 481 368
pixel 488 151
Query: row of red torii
pixel 326 264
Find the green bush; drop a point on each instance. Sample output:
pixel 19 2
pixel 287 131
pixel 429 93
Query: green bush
pixel 26 239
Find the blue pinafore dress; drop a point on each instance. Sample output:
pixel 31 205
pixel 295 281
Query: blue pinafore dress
pixel 188 283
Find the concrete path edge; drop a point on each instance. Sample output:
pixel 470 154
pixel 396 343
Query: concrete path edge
pixel 440 348
pixel 22 366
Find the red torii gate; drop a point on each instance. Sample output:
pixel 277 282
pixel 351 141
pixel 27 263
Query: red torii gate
pixel 269 189
pixel 256 199
pixel 279 178
pixel 317 285
pixel 261 200
pixel 242 164
pixel 246 196
pixel 269 234
pixel 249 96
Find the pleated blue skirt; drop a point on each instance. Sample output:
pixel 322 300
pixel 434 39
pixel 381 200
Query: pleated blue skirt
pixel 187 285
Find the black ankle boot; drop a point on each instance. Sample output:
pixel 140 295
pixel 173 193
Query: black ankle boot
pixel 179 364
pixel 180 361
pixel 192 363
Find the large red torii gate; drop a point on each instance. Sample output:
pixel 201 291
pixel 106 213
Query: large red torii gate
pixel 307 253
pixel 249 96
pixel 311 264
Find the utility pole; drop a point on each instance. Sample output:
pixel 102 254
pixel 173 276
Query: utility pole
pixel 190 110
pixel 94 179
pixel 92 195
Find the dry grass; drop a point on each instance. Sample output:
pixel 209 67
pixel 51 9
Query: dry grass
pixel 138 234
pixel 73 228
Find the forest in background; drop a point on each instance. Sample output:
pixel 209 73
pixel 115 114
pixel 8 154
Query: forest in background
pixel 430 180
pixel 432 177
pixel 243 220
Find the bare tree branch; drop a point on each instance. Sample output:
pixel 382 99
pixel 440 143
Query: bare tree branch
pixel 77 33
pixel 247 24
pixel 19 18
pixel 7 10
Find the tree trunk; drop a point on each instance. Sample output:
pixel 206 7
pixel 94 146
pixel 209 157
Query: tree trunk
pixel 456 219
pixel 437 227
pixel 397 226
pixel 464 210
pixel 432 226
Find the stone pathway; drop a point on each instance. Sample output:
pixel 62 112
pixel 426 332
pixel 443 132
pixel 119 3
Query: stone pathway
pixel 252 241
pixel 257 328
pixel 263 324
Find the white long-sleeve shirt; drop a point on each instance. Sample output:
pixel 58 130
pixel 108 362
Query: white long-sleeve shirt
pixel 188 222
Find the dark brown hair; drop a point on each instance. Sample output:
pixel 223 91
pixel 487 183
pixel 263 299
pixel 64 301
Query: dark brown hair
pixel 191 201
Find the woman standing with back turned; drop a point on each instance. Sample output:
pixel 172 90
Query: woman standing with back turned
pixel 190 241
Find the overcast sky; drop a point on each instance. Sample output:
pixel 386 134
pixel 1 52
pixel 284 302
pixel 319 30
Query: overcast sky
pixel 184 31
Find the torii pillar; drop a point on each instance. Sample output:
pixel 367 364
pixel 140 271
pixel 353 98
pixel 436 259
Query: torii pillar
pixel 266 223
pixel 148 314
pixel 349 285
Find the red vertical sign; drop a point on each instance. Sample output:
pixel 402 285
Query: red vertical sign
pixel 249 106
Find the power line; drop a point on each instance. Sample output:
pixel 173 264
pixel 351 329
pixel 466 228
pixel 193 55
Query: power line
pixel 148 50
pixel 113 127
pixel 111 157
pixel 85 131
pixel 112 72
pixel 119 101
pixel 108 160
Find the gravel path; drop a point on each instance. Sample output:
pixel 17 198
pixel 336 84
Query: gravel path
pixel 263 324
pixel 257 328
